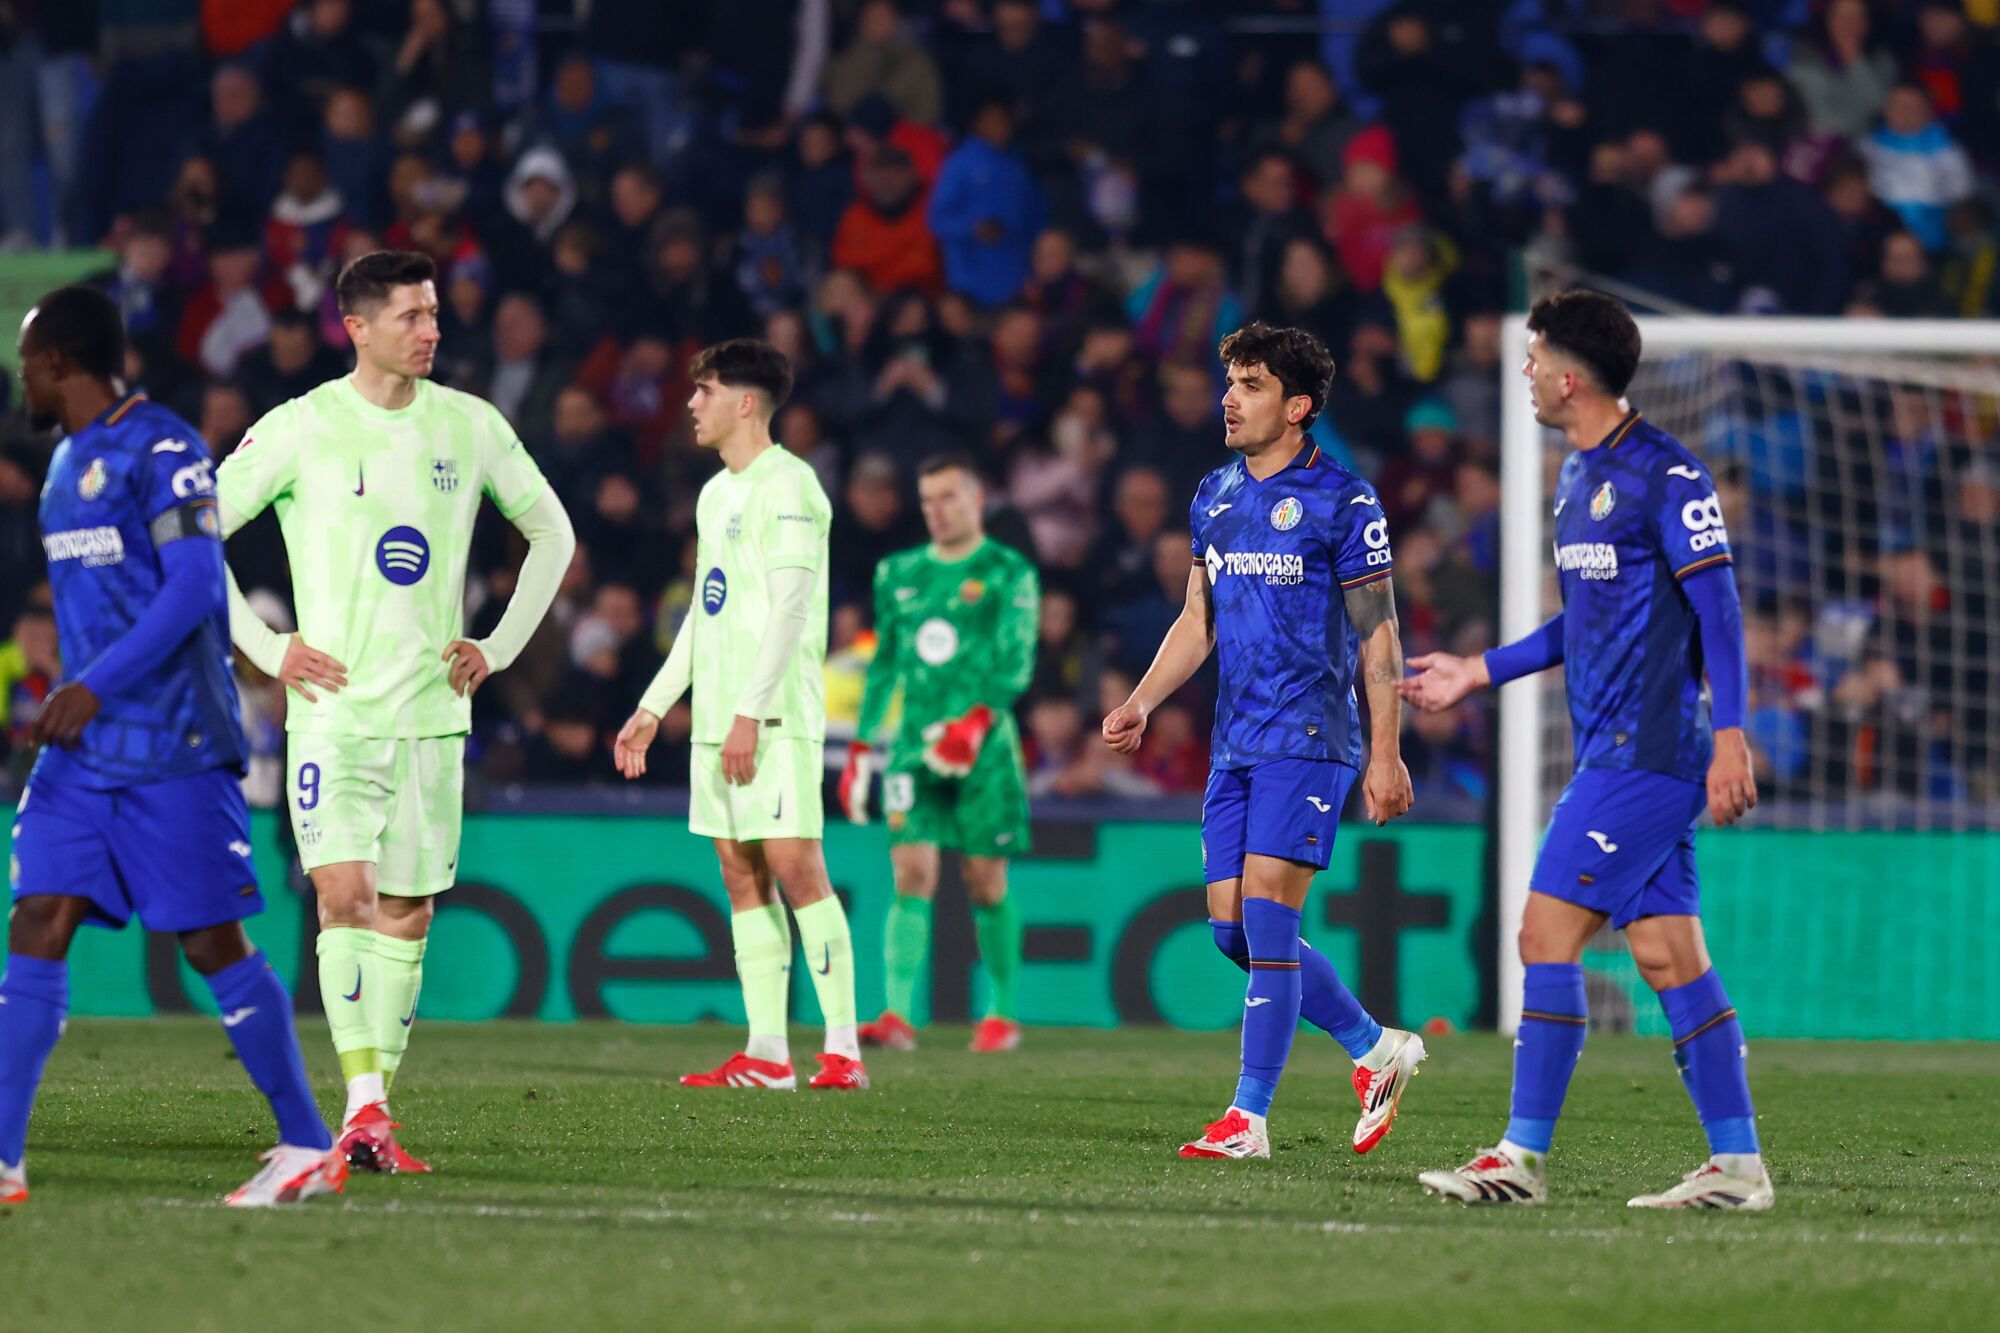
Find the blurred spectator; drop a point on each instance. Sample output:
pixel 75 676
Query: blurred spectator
pixel 1183 440
pixel 1413 282
pixel 1471 383
pixel 767 259
pixel 1009 391
pixel 317 54
pixel 1906 286
pixel 882 61
pixel 1914 166
pixel 142 286
pixel 1066 655
pixel 1689 262
pixel 1316 123
pixel 1843 75
pixel 1269 221
pixel 1971 261
pixel 1068 300
pixel 524 374
pixel 1423 71
pixel 540 196
pixel 821 182
pixel 906 358
pixel 305 228
pixel 585 299
pixel 20 527
pixel 875 523
pixel 246 141
pixel 884 235
pixel 30 667
pixel 1055 485
pixel 293 361
pixel 1136 627
pixel 1360 218
pixel 230 315
pixel 1120 567
pixel 1185 307
pixel 1370 390
pixel 440 68
pixel 1781 232
pixel 355 156
pixel 1409 482
pixel 586 128
pixel 642 386
pixel 986 209
pixel 1024 60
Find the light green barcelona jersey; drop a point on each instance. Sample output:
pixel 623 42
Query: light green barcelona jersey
pixel 377 510
pixel 950 634
pixel 772 515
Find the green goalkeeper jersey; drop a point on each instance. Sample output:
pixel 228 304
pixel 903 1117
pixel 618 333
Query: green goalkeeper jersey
pixel 772 515
pixel 377 510
pixel 951 634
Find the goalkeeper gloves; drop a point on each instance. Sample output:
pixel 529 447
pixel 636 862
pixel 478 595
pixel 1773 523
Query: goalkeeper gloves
pixel 854 782
pixel 950 748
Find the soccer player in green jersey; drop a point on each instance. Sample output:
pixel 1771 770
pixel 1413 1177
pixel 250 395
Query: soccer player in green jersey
pixel 377 478
pixel 754 651
pixel 955 626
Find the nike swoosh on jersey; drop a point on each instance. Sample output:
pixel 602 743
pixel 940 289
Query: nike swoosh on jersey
pixel 360 481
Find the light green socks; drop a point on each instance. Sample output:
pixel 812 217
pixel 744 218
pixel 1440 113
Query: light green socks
pixel 399 974
pixel 346 982
pixel 829 953
pixel 764 964
pixel 906 947
pixel 999 930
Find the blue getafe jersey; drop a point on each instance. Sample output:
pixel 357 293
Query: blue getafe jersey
pixel 107 486
pixel 1280 555
pixel 1633 517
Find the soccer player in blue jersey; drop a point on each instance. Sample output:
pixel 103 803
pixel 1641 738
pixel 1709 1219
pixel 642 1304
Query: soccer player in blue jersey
pixel 136 804
pixel 1291 588
pixel 1649 607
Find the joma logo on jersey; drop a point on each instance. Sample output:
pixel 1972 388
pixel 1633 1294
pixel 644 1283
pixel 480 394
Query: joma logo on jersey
pixel 1704 519
pixel 714 591
pixel 1274 567
pixel 403 556
pixel 93 546
pixel 1591 560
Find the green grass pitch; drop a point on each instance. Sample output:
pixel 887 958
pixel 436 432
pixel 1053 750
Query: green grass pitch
pixel 579 1188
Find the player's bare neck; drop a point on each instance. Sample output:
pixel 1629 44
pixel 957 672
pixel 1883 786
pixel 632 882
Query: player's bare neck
pixel 746 446
pixel 391 393
pixel 1595 420
pixel 957 550
pixel 1276 456
pixel 86 401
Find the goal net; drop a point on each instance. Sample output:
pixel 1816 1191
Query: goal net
pixel 1859 478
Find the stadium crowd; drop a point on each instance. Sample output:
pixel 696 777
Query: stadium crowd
pixel 1006 226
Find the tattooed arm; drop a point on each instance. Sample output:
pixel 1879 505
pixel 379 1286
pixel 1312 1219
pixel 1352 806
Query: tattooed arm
pixel 1385 788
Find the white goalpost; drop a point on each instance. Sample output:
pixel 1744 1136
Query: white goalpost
pixel 1841 446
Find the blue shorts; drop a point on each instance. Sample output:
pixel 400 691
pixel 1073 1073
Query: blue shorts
pixel 176 852
pixel 1621 842
pixel 1288 808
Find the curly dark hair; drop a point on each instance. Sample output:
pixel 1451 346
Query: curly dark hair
pixel 1592 328
pixel 746 363
pixel 1298 360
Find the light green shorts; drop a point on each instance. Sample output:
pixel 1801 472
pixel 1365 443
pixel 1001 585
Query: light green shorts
pixel 396 803
pixel 782 801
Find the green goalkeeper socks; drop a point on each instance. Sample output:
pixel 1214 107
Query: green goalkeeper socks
pixel 399 970
pixel 764 966
pixel 829 951
pixel 346 977
pixel 906 947
pixel 999 930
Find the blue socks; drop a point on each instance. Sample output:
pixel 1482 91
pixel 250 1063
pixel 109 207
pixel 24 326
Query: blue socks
pixel 1271 1003
pixel 1554 1021
pixel 34 997
pixel 1708 1047
pixel 1324 1001
pixel 257 1015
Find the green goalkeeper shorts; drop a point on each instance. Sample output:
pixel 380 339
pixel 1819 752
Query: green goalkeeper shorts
pixel 396 803
pixel 985 813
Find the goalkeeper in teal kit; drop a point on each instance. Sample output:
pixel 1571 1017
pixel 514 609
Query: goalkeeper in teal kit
pixel 956 624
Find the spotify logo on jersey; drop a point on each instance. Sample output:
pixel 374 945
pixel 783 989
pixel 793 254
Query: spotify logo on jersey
pixel 714 591
pixel 403 556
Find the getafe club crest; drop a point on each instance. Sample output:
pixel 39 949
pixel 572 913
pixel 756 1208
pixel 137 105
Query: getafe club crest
pixel 1285 515
pixel 91 484
pixel 1603 502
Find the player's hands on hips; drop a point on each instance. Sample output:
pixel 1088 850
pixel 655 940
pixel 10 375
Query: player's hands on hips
pixel 739 752
pixel 1732 786
pixel 854 782
pixel 468 666
pixel 1124 726
pixel 64 715
pixel 306 666
pixel 1442 679
pixel 1385 789
pixel 629 750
